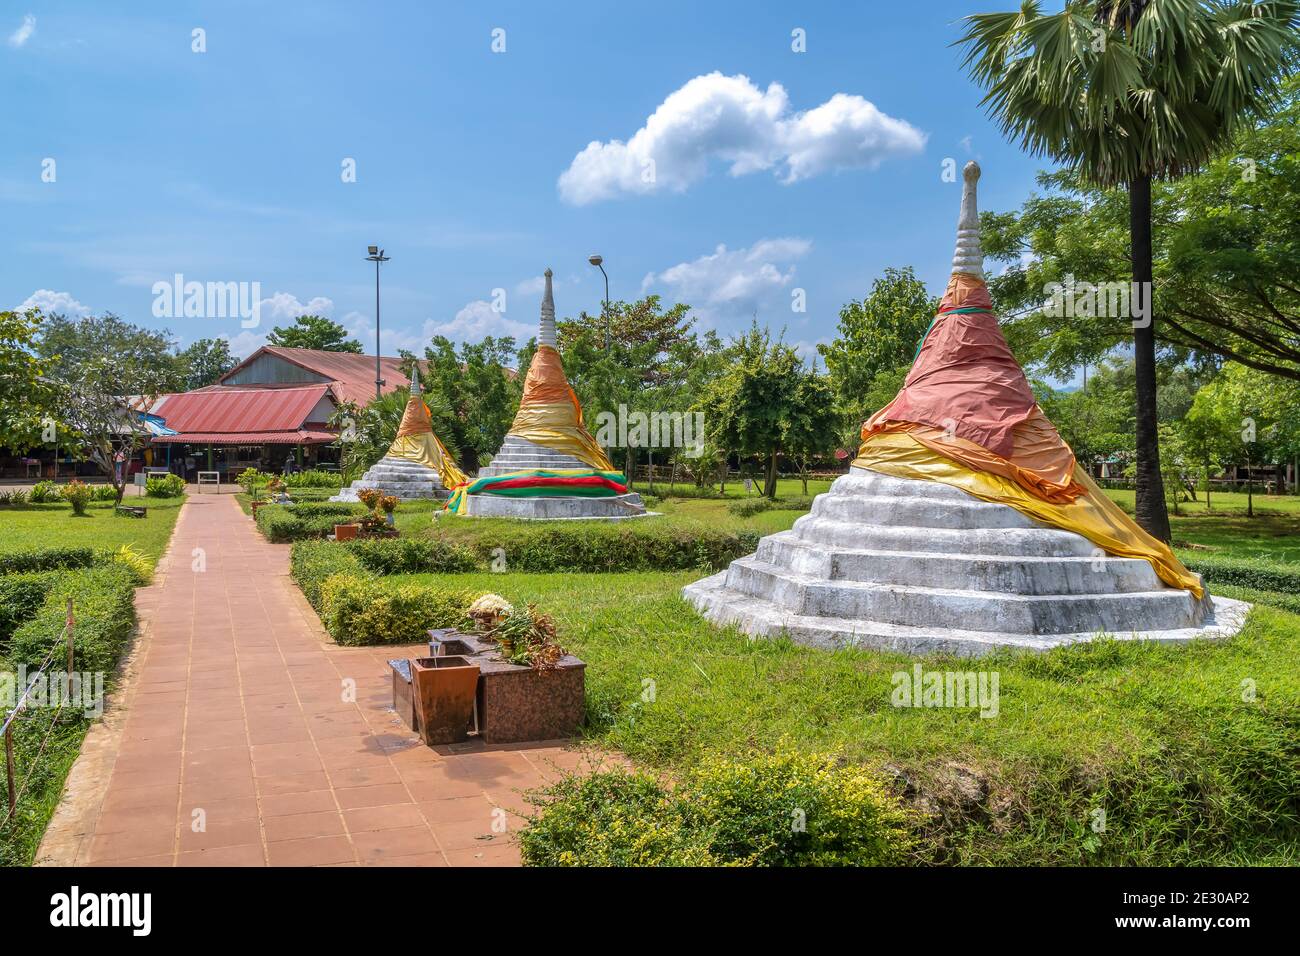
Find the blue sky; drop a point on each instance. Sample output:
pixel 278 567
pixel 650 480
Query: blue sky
pixel 473 167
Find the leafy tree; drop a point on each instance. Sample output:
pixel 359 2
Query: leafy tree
pixel 1123 92
pixel 812 424
pixel 480 390
pixel 103 370
pixel 206 361
pixel 314 332
pixel 25 398
pixel 875 345
pixel 750 407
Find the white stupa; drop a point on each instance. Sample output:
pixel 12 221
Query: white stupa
pixel 964 525
pixel 548 445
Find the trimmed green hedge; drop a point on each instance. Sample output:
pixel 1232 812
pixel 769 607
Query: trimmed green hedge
pixel 46 559
pixel 413 556
pixel 590 546
pixel 365 610
pixel 1247 573
pixel 105 615
pixel 282 524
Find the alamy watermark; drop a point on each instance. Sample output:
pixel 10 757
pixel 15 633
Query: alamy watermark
pixel 624 429
pixel 1086 300
pixel 84 691
pixel 957 689
pixel 178 299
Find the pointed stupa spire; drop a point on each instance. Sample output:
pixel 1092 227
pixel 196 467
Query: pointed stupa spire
pixel 968 257
pixel 415 379
pixel 546 331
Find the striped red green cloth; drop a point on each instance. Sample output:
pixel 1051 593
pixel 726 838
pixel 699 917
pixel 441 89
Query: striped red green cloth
pixel 565 482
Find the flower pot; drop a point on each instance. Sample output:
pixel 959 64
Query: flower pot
pixel 444 690
pixel 345 532
pixel 388 516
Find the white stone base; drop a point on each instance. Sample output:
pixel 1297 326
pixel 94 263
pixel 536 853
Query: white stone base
pixel 548 508
pixel 922 567
pixel 408 480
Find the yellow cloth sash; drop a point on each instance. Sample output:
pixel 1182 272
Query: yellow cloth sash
pixel 549 413
pixel 1091 514
pixel 416 442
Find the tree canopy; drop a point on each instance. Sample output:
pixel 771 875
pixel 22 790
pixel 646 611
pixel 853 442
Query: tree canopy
pixel 314 332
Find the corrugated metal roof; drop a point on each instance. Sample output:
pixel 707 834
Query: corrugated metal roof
pixel 227 409
pixel 353 375
pixel 301 436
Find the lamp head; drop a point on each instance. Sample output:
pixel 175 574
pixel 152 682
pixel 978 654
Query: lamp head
pixel 595 260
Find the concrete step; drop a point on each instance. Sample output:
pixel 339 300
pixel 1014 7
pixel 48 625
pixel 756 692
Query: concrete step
pixel 760 617
pixel 947 607
pixel 1012 574
pixel 557 508
pixel 1032 541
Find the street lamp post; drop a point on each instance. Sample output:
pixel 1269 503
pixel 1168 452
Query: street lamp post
pixel 377 256
pixel 599 262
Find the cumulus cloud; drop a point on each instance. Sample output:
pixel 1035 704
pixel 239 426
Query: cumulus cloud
pixel 244 344
pixel 730 120
pixel 282 306
pixel 50 302
pixel 732 282
pixel 476 320
pixel 24 32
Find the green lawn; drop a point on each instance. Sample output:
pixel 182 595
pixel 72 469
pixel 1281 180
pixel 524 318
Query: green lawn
pixel 31 527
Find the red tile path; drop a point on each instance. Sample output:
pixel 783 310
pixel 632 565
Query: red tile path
pixel 243 736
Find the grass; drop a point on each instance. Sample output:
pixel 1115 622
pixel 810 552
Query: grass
pixel 1160 738
pixel 31 527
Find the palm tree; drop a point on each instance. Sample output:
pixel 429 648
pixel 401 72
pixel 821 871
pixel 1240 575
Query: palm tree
pixel 1123 92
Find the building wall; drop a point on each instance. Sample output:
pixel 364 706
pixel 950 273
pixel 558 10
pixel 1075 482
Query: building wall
pixel 269 369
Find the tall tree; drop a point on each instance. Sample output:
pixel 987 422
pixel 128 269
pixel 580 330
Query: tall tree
pixel 104 371
pixel 1124 92
pixel 749 408
pixel 206 361
pixel 479 387
pixel 314 332
pixel 25 396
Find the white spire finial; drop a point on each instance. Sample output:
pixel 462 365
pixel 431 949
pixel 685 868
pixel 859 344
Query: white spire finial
pixel 415 379
pixel 546 333
pixel 969 256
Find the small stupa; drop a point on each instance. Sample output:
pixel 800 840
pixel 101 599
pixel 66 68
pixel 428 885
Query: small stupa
pixel 416 465
pixel 549 466
pixel 965 523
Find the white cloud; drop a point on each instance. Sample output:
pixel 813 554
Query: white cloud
pixel 476 320
pixel 244 344
pixel 733 282
pixel 284 306
pixel 24 32
pixel 534 286
pixel 729 119
pixel 50 302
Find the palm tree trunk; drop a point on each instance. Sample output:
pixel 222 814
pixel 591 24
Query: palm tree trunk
pixel 1150 508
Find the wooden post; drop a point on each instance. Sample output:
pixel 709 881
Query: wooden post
pixel 9 769
pixel 69 621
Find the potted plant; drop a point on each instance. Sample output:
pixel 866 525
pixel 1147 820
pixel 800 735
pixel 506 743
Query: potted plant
pixel 345 532
pixel 369 497
pixel 389 504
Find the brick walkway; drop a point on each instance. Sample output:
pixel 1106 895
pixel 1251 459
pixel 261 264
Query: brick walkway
pixel 233 712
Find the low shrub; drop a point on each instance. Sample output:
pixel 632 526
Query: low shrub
pixel 104 493
pixel 748 507
pixel 312 562
pixel 78 494
pixel 642 545
pixel 414 556
pixel 140 565
pixel 314 479
pixel 281 523
pixel 15 496
pixel 44 492
pixel 46 559
pixel 1247 573
pixel 165 486
pixel 364 610
pixel 316 509
pixel 20 596
pixel 762 809
pixel 104 609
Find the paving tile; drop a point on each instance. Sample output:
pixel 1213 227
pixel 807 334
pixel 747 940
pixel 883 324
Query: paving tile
pixel 298 826
pixel 317 851
pixel 392 817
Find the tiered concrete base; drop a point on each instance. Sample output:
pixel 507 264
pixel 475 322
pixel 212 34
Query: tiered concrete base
pixel 519 454
pixel 407 480
pixel 923 567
